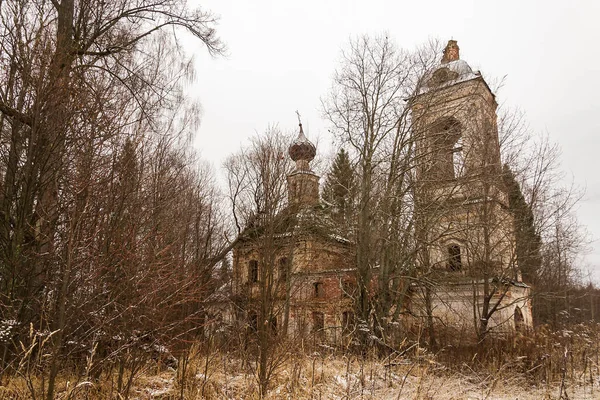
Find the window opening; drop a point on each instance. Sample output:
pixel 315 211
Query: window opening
pixel 458 161
pixel 318 321
pixel 448 162
pixel 253 320
pixel 318 290
pixel 347 321
pixel 442 76
pixel 283 269
pixel 273 325
pixel 348 288
pixel 519 320
pixel 454 259
pixel 252 271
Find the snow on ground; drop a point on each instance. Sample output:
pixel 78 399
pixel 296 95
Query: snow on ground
pixel 340 379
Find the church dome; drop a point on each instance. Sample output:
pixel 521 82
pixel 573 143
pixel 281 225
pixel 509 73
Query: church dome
pixel 450 70
pixel 461 67
pixel 302 148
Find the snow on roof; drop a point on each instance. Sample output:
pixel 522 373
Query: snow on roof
pixel 459 66
pixel 454 72
pixel 302 220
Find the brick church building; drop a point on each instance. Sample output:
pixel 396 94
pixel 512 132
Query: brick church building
pixel 297 273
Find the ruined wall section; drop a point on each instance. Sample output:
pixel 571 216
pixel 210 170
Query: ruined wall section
pixel 455 310
pixel 322 283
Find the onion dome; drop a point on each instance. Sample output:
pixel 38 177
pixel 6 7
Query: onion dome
pixel 302 148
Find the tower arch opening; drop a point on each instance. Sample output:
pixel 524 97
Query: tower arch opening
pixel 447 149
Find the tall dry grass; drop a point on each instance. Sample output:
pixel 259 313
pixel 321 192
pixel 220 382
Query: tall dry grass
pixel 541 364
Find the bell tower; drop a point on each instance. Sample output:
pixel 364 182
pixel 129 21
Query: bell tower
pixel 460 198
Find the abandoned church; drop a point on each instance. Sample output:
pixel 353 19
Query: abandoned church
pixel 297 273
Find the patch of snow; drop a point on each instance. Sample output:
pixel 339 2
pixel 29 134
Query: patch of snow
pixel 339 238
pixel 341 380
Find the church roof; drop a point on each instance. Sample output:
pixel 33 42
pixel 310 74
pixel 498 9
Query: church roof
pixel 461 67
pixel 450 71
pixel 299 221
pixel 305 215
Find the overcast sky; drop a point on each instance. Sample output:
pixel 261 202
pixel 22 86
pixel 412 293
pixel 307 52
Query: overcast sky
pixel 282 54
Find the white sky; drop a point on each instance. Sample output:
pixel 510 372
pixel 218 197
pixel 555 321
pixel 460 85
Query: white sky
pixel 282 54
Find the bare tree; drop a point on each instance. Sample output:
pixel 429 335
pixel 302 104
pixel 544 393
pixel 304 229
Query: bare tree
pixel 78 77
pixel 258 194
pixel 417 165
pixel 367 110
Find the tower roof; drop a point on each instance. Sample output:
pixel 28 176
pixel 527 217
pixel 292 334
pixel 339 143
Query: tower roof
pixel 302 148
pixel 450 71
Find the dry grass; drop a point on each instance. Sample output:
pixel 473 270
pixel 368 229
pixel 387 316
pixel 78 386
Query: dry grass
pixel 337 377
pixel 562 364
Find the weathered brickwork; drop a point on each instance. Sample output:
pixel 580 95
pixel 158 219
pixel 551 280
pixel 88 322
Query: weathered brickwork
pixel 321 276
pixel 463 205
pixel 462 215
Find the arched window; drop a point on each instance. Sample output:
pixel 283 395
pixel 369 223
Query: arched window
pixel 348 288
pixel 252 271
pixel 458 160
pixel 519 320
pixel 253 320
pixel 283 269
pixel 454 258
pixel 448 157
pixel 318 321
pixel 318 292
pixel 347 321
